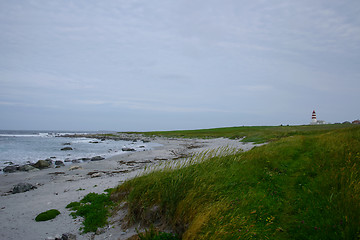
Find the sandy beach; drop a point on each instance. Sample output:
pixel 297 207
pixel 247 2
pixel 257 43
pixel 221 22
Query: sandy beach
pixel 57 187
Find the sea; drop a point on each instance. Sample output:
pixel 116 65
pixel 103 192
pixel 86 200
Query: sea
pixel 22 147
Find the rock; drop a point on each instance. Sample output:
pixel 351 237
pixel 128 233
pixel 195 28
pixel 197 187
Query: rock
pixel 97 158
pixel 58 236
pixel 67 149
pixel 10 169
pixel 94 175
pixel 49 161
pixel 27 168
pixel 74 168
pixel 68 236
pixel 41 164
pixel 56 173
pixel 66 144
pixel 125 149
pixel 59 163
pixel 67 160
pixel 9 163
pixel 85 159
pixel 22 187
pixel 93 142
pixel 75 161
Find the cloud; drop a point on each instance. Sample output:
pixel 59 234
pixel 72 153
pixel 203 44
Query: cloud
pixel 141 104
pixel 29 105
pixel 183 57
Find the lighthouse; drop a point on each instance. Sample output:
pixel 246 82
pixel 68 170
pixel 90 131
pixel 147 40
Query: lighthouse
pixel 313 118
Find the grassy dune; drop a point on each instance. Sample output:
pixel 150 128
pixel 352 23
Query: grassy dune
pixel 304 184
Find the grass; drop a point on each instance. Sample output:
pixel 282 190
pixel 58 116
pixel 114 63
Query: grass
pixel 48 215
pixel 257 134
pixel 94 208
pixel 304 184
pixel 154 234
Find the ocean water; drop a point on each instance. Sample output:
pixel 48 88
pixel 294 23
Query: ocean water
pixel 20 147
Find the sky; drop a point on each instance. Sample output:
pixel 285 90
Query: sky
pixel 142 65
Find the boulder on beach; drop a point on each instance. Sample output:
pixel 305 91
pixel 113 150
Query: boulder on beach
pixel 74 168
pixel 59 163
pixel 126 149
pixel 42 164
pixel 27 168
pixel 65 236
pixel 67 143
pixel 10 169
pixel 97 158
pixel 67 149
pixel 22 187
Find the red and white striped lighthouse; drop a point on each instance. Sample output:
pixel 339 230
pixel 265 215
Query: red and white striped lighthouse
pixel 313 117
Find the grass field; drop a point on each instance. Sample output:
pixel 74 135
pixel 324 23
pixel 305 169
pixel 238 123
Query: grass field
pixel 257 134
pixel 304 184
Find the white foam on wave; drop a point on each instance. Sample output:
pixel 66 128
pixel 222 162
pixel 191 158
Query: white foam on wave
pixel 19 135
pixel 40 134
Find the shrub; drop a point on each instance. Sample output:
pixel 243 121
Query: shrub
pixel 93 208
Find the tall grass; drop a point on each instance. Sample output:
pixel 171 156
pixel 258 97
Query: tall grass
pixel 299 187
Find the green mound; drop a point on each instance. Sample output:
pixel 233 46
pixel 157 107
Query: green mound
pixel 48 215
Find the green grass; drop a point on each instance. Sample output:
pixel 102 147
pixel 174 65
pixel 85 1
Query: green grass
pixel 304 185
pixel 154 234
pixel 94 208
pixel 48 215
pixel 257 134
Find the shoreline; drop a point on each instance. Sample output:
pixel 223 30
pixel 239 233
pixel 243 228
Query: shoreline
pixel 71 148
pixel 57 187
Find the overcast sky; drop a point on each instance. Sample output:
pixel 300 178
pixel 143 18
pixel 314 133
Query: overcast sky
pixel 186 64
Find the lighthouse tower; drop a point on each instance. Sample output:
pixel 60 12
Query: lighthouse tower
pixel 313 118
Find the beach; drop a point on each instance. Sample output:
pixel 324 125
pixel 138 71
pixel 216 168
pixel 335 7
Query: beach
pixel 57 187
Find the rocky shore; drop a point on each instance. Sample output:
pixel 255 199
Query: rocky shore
pixel 48 184
pixel 51 162
pixel 114 136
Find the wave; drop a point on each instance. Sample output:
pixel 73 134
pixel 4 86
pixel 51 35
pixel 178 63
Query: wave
pixel 34 134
